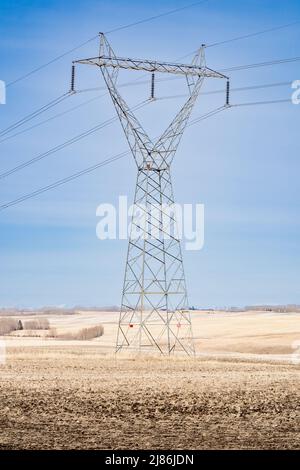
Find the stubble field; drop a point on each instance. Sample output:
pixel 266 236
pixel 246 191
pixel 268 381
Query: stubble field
pixel 77 395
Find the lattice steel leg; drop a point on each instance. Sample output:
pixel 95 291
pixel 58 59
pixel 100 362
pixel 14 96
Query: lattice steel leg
pixel 154 313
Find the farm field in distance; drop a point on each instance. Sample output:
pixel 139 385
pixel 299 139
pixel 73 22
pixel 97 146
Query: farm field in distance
pixel 242 391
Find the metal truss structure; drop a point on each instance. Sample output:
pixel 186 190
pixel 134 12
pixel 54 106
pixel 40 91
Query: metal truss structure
pixel 154 311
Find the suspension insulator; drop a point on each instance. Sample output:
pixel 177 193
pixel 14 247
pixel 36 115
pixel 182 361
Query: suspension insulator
pixel 227 92
pixel 73 79
pixel 152 86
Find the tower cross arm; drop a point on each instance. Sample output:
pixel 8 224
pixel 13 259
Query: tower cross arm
pixel 152 66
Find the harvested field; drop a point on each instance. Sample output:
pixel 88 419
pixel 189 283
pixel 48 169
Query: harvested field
pixel 76 395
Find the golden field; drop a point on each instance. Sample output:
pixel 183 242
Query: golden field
pixel 242 391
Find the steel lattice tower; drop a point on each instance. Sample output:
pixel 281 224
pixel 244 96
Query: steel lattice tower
pixel 154 311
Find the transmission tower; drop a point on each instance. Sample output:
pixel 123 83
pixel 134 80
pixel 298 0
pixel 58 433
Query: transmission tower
pixel 154 312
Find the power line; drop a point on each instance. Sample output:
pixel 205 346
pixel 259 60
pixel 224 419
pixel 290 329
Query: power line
pixel 238 38
pixel 94 129
pixel 53 103
pixel 257 103
pixel 232 90
pixel 136 82
pixel 63 113
pixel 245 67
pixel 257 33
pixel 58 100
pixel 85 170
pixel 230 69
pixel 108 122
pixel 250 87
pixel 261 64
pixel 151 18
pixel 64 54
pixel 32 115
pixel 48 106
pixel 84 103
pixel 36 113
pixel 121 155
pixel 65 144
pixel 55 59
pixel 207 115
pixel 64 180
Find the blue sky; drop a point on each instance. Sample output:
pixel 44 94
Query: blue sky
pixel 243 164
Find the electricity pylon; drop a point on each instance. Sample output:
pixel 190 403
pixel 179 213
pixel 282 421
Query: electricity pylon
pixel 154 310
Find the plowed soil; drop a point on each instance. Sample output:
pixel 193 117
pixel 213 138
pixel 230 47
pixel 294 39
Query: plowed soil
pixel 66 397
